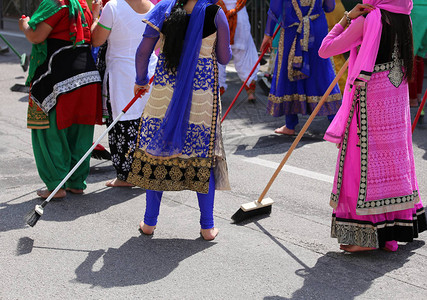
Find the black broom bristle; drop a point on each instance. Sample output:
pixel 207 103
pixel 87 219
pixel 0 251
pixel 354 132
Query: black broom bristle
pixel 242 215
pixel 33 216
pixel 4 50
pixel 101 154
pixel 25 63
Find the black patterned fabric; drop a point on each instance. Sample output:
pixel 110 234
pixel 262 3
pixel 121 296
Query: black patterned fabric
pixel 122 139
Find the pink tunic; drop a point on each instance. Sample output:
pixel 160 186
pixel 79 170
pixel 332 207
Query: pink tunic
pixel 375 194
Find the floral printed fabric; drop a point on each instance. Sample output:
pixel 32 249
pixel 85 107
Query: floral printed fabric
pixel 122 139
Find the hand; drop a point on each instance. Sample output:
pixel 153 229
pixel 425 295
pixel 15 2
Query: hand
pixel 96 8
pixel 230 13
pixel 144 88
pixel 23 23
pixel 360 9
pixel 266 43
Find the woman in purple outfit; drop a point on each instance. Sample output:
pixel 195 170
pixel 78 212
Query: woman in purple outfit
pixel 300 76
pixel 179 143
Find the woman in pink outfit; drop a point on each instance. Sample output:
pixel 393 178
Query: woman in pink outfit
pixel 375 194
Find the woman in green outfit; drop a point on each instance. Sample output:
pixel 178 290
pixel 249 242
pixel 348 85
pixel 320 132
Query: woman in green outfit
pixel 65 92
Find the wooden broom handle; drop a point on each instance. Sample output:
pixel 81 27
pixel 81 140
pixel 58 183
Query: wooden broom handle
pixel 303 130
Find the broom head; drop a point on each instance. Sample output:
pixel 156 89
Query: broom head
pixel 34 215
pixel 251 209
pixel 25 62
pixel 4 50
pixel 99 152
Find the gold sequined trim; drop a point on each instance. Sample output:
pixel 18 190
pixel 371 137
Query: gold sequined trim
pixel 304 28
pixel 298 97
pixel 151 24
pixel 170 175
pixel 280 50
pixel 307 2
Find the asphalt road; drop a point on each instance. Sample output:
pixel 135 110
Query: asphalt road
pixel 88 247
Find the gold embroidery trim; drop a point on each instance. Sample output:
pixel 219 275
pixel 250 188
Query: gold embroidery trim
pixel 151 173
pixel 280 50
pixel 303 25
pixel 298 97
pixel 151 24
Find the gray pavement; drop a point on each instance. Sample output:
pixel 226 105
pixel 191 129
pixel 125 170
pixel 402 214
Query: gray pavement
pixel 88 247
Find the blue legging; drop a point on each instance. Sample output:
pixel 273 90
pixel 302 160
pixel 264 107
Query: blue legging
pixel 292 120
pixel 206 205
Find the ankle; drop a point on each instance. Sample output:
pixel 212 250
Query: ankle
pixel 147 229
pixel 209 234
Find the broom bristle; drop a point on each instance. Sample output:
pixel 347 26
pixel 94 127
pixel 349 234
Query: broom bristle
pixel 101 154
pixel 242 215
pixel 33 216
pixel 25 62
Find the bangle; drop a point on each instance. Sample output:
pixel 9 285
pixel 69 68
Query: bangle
pixel 347 18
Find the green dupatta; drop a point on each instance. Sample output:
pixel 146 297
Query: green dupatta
pixel 45 10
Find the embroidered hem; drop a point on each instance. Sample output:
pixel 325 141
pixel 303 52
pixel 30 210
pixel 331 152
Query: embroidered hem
pixel 303 104
pixel 174 174
pixel 66 86
pixel 36 118
pixel 369 234
pixel 302 98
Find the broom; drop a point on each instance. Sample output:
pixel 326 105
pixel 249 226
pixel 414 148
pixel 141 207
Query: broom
pixel 420 109
pixel 263 206
pixel 33 216
pixel 22 57
pixel 99 152
pixel 249 76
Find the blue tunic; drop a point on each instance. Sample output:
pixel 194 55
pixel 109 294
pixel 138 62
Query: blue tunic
pixel 300 76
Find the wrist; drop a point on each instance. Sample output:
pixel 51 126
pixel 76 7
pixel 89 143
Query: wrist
pixel 142 82
pixel 26 28
pixel 347 17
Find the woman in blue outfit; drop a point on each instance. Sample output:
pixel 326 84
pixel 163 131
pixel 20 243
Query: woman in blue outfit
pixel 300 76
pixel 179 143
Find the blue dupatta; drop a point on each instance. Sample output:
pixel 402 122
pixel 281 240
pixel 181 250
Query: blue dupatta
pixel 169 140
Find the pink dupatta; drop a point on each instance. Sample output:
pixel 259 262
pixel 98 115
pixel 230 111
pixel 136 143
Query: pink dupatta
pixel 362 62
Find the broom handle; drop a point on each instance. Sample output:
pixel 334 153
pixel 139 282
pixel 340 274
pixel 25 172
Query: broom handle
pixel 419 111
pixel 249 76
pixel 303 130
pixel 11 47
pixel 45 202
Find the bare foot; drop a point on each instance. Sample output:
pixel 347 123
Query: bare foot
pixel 284 130
pixel 209 234
pixel 118 183
pixel 146 229
pixel 44 193
pixel 74 191
pixel 251 97
pixel 355 248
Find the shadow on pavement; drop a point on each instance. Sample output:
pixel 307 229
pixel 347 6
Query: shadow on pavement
pixel 70 208
pixel 341 275
pixel 419 138
pixel 275 144
pixel 140 260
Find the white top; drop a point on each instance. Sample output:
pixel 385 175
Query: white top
pixel 126 33
pixel 242 35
